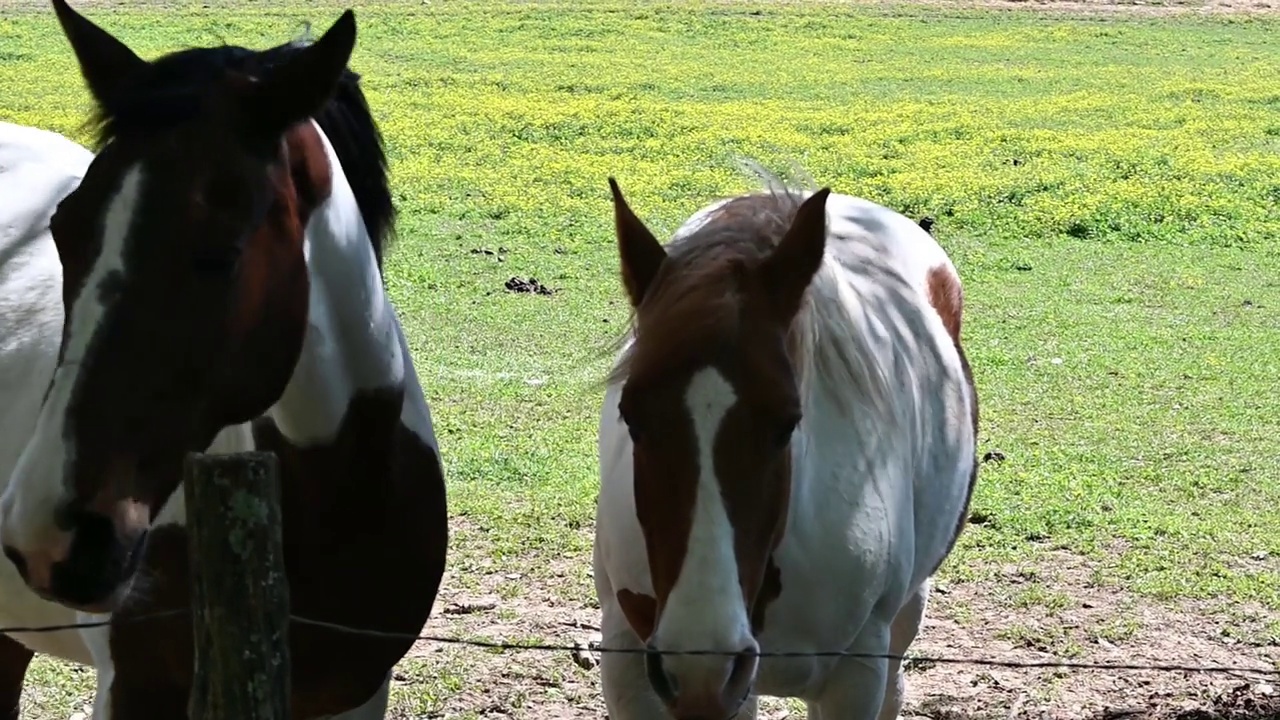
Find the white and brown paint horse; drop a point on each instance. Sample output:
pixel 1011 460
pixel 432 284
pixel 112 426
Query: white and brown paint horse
pixel 786 452
pixel 210 279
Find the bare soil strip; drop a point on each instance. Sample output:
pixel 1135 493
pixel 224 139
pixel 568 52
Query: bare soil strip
pixel 1027 614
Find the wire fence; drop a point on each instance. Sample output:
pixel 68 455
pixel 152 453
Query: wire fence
pixel 579 647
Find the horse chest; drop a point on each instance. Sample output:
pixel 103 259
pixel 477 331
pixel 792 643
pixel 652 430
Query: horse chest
pixel 825 598
pixel 365 542
pixel 831 587
pixel 366 561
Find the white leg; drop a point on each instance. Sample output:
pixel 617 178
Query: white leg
pixel 626 690
pixel 903 632
pixel 102 694
pixel 98 640
pixel 854 689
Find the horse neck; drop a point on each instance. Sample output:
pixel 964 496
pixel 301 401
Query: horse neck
pixel 353 340
pixel 353 343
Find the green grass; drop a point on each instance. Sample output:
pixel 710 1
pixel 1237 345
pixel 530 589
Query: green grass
pixel 1109 190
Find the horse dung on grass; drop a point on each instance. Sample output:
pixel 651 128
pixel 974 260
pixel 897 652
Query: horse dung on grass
pixel 786 451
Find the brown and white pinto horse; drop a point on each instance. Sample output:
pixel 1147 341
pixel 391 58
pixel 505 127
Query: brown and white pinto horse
pixel 220 289
pixel 786 454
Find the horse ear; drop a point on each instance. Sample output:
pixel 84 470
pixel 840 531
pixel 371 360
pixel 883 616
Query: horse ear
pixel 107 65
pixel 789 269
pixel 639 251
pixel 300 86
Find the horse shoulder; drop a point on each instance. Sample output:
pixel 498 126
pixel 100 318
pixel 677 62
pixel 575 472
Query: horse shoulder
pixel 916 255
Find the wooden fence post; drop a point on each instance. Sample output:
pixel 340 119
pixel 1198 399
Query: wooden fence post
pixel 239 591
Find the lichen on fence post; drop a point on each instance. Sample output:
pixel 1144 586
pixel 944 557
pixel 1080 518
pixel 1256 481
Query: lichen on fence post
pixel 239 591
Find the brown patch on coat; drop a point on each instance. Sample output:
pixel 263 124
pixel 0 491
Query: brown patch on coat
pixel 641 611
pixel 270 311
pixel 376 486
pixel 757 511
pixel 663 448
pixel 770 590
pixel 947 298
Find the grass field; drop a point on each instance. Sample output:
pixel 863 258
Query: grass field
pixel 1109 188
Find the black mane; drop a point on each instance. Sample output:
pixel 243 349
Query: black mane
pixel 173 92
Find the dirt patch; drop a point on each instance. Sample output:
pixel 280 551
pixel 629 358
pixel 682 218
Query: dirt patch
pixel 1052 611
pixel 538 600
pixel 1040 613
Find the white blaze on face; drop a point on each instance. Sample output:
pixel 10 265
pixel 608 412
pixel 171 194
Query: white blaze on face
pixel 38 482
pixel 705 609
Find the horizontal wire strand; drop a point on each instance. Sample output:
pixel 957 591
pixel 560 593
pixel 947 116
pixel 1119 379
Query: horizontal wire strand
pixel 554 647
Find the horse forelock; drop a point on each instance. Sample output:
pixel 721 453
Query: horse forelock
pixel 696 301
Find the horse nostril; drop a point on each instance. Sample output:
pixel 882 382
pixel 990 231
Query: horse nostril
pixel 18 561
pixel 662 683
